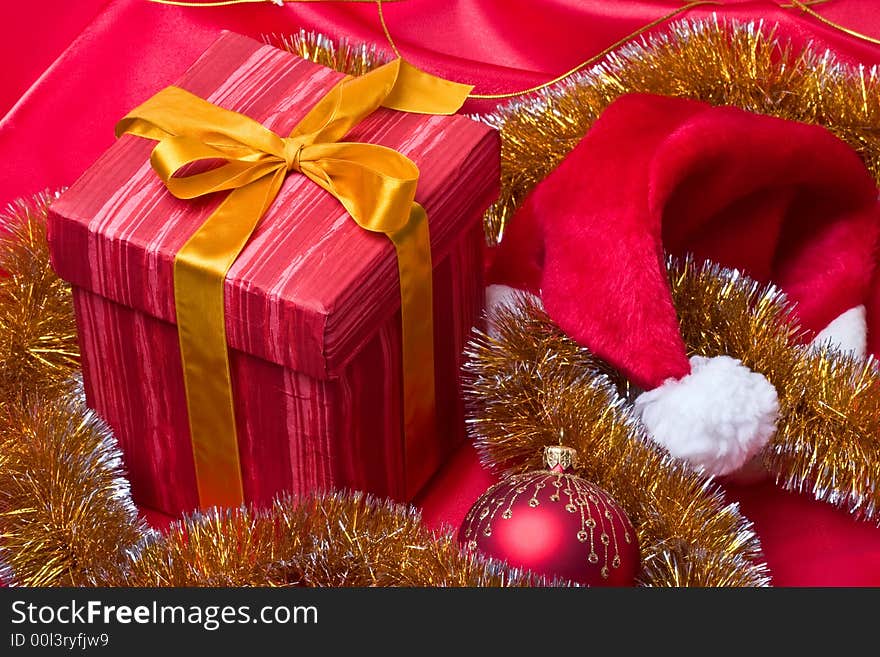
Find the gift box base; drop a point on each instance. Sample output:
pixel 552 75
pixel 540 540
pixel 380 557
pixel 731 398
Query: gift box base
pixel 297 433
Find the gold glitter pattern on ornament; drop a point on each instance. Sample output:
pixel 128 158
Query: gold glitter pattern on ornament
pixel 597 517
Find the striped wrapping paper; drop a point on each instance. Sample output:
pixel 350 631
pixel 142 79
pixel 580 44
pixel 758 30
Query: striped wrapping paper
pixel 312 303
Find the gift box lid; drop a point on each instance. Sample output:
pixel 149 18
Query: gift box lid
pixel 311 286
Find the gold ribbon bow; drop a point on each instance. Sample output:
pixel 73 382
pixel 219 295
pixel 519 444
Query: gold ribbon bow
pixel 375 184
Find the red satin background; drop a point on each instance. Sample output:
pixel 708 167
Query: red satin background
pixel 74 68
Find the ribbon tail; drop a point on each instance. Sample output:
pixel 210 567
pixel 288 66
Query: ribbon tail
pixel 413 246
pixel 422 93
pixel 199 279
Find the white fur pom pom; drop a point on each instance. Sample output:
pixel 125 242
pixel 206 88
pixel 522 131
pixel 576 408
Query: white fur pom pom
pixel 848 332
pixel 503 295
pixel 716 418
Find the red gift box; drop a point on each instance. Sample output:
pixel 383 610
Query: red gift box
pixel 312 303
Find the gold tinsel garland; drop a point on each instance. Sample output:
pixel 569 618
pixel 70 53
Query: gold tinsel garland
pixel 336 539
pixel 342 55
pixel 696 540
pixel 720 63
pixel 38 344
pixel 532 386
pixel 827 441
pixel 66 516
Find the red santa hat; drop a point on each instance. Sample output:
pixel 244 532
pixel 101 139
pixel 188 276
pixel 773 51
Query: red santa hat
pixel 782 201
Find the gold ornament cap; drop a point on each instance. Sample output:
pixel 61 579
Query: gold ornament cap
pixel 559 457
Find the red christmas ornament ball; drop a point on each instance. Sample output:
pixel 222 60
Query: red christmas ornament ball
pixel 555 524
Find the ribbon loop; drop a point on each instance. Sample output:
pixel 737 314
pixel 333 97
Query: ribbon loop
pixel 376 185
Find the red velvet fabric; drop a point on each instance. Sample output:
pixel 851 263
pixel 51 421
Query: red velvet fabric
pixel 785 202
pixel 78 67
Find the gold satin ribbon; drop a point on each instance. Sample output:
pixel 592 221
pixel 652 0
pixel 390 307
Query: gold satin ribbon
pixel 375 184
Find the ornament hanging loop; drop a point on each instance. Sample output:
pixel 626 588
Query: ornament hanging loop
pixel 560 458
